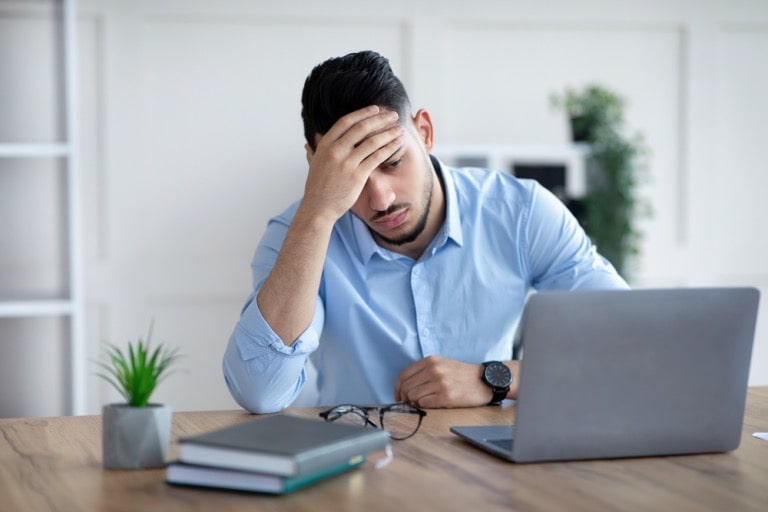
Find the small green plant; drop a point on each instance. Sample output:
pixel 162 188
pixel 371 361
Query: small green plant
pixel 137 373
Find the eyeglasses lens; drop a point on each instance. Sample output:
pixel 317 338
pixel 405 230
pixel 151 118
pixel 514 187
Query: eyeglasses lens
pixel 401 421
pixel 350 416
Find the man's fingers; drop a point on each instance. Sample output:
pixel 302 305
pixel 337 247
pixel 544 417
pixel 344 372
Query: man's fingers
pixel 440 382
pixel 379 147
pixel 430 401
pixel 345 122
pixel 365 117
pixel 408 381
pixel 372 128
pixel 360 136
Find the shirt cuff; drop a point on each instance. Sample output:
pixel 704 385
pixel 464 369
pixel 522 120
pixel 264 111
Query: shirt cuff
pixel 260 336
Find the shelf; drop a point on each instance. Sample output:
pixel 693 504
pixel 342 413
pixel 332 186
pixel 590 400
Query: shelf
pixel 514 151
pixel 34 150
pixel 34 308
pixel 64 17
pixel 503 157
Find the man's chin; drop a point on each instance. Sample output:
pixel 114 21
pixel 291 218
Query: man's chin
pixel 399 240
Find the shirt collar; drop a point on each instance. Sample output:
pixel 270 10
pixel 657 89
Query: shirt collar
pixel 450 230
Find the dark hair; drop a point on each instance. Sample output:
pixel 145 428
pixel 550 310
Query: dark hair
pixel 342 85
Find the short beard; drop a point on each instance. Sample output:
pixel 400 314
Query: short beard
pixel 418 229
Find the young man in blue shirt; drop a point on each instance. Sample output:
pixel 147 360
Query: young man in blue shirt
pixel 401 279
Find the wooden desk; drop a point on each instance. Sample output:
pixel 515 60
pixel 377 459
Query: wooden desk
pixel 55 464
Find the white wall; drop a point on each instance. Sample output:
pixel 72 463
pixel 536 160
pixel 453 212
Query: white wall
pixel 191 137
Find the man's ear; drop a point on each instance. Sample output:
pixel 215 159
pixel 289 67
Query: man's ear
pixel 309 152
pixel 422 121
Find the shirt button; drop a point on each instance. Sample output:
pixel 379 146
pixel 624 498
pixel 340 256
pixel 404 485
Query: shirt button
pixel 425 332
pixel 416 271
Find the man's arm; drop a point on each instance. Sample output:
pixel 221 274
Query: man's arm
pixel 440 382
pixel 264 362
pixel 561 256
pixel 264 374
pixel 356 145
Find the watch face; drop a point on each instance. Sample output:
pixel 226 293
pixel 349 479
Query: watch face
pixel 498 374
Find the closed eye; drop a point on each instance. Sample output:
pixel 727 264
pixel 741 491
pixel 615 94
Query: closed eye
pixel 393 164
pixel 389 163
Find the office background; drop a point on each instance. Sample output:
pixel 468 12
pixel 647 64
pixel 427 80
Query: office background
pixel 190 139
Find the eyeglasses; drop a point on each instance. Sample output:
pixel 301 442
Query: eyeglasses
pixel 399 419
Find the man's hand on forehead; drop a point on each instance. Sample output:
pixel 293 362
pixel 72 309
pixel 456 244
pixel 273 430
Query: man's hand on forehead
pixel 395 120
pixel 347 154
pixel 371 127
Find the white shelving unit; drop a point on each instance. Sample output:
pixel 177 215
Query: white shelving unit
pixel 503 157
pixel 68 306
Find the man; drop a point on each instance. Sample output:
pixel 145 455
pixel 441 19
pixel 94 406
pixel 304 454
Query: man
pixel 395 274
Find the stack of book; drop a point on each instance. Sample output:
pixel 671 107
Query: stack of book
pixel 275 454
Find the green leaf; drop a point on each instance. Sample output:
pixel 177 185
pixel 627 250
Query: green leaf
pixel 136 373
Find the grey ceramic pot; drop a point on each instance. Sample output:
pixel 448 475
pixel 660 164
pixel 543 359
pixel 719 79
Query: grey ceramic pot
pixel 135 437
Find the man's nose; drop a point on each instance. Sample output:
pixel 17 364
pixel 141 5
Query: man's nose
pixel 380 194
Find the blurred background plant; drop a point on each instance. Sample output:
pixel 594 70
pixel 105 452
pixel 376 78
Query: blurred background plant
pixel 616 166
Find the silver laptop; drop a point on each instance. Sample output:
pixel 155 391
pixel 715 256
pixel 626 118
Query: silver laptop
pixel 628 373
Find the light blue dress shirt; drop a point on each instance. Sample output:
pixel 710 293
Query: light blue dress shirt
pixel 379 311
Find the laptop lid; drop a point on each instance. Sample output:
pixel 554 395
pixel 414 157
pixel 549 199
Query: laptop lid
pixel 628 373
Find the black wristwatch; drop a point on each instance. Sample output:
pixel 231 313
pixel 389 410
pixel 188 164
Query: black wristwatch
pixel 497 375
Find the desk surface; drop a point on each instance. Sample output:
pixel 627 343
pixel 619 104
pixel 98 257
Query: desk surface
pixel 55 464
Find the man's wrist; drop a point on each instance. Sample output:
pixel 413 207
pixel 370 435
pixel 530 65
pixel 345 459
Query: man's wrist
pixel 306 215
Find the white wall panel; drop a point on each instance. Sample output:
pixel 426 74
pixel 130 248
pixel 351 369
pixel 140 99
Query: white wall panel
pixel 33 378
pixel 32 228
pixel 738 206
pixel 29 96
pixel 220 142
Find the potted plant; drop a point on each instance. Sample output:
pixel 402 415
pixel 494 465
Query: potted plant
pixel 136 434
pixel 615 167
pixel 590 109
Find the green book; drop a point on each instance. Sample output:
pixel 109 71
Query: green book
pixel 283 445
pixel 179 473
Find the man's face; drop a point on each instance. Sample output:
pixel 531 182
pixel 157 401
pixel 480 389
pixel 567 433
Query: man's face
pixel 395 202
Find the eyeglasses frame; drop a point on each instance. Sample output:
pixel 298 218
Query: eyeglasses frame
pixel 382 410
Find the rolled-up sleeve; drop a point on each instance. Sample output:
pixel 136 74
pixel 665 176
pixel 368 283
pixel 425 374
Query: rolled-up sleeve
pixel 264 374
